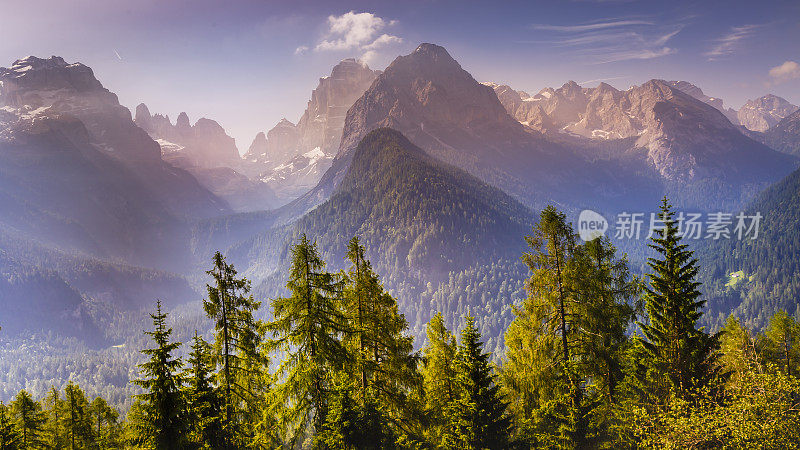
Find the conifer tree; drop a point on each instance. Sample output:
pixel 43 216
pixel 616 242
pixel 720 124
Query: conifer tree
pixel 477 417
pixel 54 410
pixel 564 347
pixel 30 420
pixel 679 352
pixel 105 423
pixel 77 418
pixel 9 438
pixel 164 423
pixel 236 347
pixel 783 342
pixel 204 410
pixel 383 353
pixel 307 329
pixel 439 376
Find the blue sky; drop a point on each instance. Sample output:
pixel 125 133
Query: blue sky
pixel 247 64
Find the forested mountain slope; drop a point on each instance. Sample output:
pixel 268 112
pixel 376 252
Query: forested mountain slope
pixel 440 238
pixel 755 278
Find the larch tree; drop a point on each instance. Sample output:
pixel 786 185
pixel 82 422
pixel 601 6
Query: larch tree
pixel 439 376
pixel 383 354
pixel 30 420
pixel 307 329
pixel 236 347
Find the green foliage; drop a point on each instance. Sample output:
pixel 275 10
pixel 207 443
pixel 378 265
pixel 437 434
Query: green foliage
pixel 163 424
pixel 477 416
pixel 769 263
pixel 680 353
pixel 236 347
pixel 29 419
pixel 307 329
pixel 203 404
pixel 439 377
pixel 9 438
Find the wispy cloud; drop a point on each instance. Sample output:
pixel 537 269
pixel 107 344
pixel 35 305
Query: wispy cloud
pixel 596 80
pixel 727 44
pixel 354 31
pixel 590 26
pixel 613 40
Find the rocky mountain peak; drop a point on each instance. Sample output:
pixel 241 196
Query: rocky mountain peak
pixel 764 112
pixel 183 121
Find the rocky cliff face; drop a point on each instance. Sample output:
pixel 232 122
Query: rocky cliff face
pixel 79 175
pixel 697 93
pixel 440 107
pixel 291 158
pixel 762 113
pixel 685 135
pixel 34 88
pixel 204 144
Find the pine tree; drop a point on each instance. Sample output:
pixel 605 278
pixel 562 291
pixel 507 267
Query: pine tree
pixel 307 329
pixel 478 418
pixel 680 352
pixel 30 420
pixel 238 337
pixel 9 438
pixel 164 425
pixel 204 410
pixel 439 376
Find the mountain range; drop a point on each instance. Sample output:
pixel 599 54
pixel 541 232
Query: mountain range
pixel 439 175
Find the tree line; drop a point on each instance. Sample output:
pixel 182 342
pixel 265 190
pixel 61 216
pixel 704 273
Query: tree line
pixel 594 358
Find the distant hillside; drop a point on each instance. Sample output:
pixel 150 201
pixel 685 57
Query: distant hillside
pixel 755 278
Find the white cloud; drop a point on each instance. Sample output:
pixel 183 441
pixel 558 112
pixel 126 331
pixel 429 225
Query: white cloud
pixel 352 31
pixel 789 70
pixel 382 40
pixel 726 45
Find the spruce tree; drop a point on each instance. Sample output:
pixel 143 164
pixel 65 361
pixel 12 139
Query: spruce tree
pixel 164 423
pixel 238 337
pixel 204 410
pixel 477 417
pixel 307 330
pixel 680 353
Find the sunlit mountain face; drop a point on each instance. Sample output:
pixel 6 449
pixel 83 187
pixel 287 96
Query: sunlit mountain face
pixel 325 226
